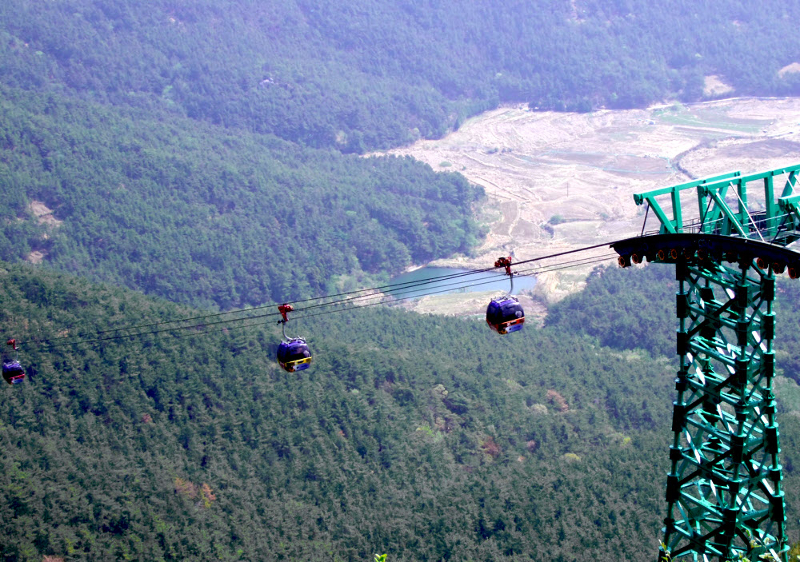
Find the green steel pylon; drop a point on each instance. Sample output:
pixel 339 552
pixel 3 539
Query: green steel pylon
pixel 724 497
pixel 724 488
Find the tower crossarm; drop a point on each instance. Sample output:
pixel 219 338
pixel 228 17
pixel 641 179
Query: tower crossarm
pixel 725 208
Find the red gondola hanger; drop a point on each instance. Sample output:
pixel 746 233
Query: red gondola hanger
pixel 505 262
pixel 285 309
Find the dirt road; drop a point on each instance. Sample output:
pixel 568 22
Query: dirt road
pixel 559 181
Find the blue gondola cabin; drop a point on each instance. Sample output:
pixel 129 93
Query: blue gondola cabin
pixel 13 373
pixel 294 355
pixel 505 315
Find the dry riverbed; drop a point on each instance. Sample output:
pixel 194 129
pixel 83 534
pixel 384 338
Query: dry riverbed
pixel 561 181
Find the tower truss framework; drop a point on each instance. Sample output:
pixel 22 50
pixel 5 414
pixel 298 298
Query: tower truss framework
pixel 723 492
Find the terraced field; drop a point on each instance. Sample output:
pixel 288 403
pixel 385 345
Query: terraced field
pixel 559 181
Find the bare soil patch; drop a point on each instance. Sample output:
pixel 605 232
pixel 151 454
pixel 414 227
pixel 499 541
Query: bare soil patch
pixel 789 69
pixel 713 86
pixel 43 214
pixel 35 257
pixel 585 168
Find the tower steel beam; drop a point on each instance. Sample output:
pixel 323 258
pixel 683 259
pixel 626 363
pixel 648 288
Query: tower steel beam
pixel 724 496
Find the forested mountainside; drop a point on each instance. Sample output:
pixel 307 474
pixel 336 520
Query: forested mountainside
pixel 177 208
pixel 626 310
pixel 423 437
pixel 623 309
pixel 193 150
pixel 368 74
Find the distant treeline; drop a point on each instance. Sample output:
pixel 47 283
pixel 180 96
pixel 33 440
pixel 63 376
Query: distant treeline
pixel 370 74
pixel 623 309
pixel 629 309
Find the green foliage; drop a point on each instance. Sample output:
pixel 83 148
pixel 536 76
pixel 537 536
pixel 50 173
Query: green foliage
pixel 380 73
pixel 787 336
pixel 200 447
pixel 623 309
pixel 166 447
pixel 664 554
pixel 194 214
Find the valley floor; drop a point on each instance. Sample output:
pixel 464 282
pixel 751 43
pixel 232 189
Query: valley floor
pixel 560 181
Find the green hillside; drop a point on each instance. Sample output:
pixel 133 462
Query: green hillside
pixel 378 73
pixel 183 210
pixel 193 150
pixel 628 310
pixel 422 437
pixel 623 309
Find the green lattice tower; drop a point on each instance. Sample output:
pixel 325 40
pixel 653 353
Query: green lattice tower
pixel 724 487
pixel 724 497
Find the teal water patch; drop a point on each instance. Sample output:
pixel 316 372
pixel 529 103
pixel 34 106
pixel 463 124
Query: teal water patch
pixel 446 280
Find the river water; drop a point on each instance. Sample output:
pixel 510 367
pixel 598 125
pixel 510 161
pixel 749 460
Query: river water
pixel 443 280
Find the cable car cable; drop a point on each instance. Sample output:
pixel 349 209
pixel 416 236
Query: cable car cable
pixel 366 293
pixel 361 293
pixel 381 302
pixel 381 299
pixel 311 299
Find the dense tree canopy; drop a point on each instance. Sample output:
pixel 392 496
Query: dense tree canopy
pixel 424 437
pixel 377 73
pixel 178 209
pixel 623 309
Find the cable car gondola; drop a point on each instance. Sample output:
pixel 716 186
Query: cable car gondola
pixel 293 353
pixel 13 373
pixel 505 315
